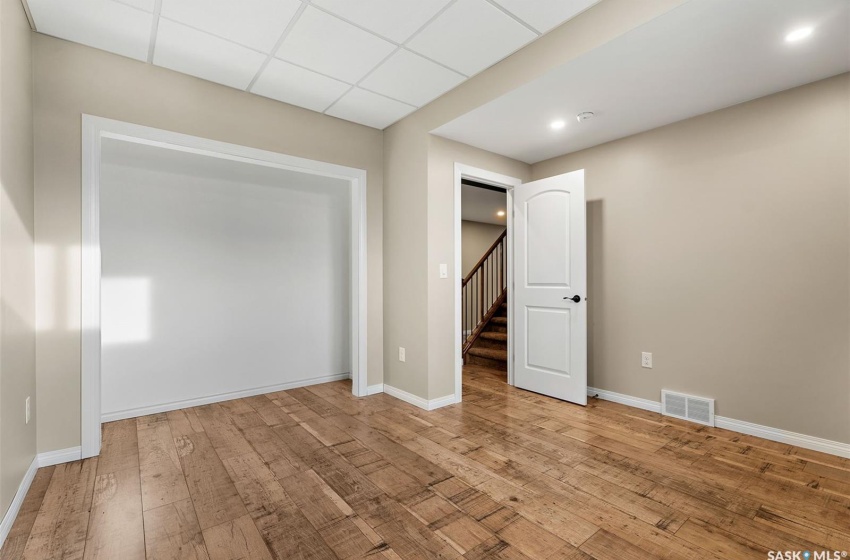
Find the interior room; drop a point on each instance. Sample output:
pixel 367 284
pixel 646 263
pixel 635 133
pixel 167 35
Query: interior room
pixel 458 279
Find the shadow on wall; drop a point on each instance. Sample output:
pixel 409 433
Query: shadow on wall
pixel 594 291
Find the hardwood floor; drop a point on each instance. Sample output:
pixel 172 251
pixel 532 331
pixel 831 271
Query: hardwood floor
pixel 317 473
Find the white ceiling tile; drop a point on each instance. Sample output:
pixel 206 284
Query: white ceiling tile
pixel 368 108
pixel 410 78
pixel 103 24
pixel 396 20
pixel 292 84
pixel 200 54
pixel 146 5
pixel 544 15
pixel 470 36
pixel 254 23
pixel 331 46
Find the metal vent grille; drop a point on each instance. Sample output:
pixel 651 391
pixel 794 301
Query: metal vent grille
pixel 688 407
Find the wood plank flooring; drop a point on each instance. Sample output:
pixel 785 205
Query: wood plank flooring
pixel 316 473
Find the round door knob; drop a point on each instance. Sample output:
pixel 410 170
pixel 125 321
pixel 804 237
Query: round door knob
pixel 574 298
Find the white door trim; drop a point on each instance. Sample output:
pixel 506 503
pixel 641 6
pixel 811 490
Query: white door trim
pixel 94 130
pixel 463 171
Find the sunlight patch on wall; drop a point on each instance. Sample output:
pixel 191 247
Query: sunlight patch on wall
pixel 125 310
pixel 45 306
pixel 73 283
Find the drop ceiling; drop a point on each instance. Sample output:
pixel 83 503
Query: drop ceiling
pixel 699 57
pixel 367 61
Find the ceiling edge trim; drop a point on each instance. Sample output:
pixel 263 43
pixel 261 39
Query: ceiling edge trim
pixel 29 15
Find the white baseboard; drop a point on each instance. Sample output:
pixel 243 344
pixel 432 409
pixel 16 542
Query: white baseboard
pixel 17 501
pixel 375 389
pixel 425 404
pixel 784 436
pixel 434 404
pixel 644 404
pixel 200 401
pixel 51 458
pixel 765 432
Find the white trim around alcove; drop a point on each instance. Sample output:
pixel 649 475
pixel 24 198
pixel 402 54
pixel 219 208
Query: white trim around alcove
pixel 94 130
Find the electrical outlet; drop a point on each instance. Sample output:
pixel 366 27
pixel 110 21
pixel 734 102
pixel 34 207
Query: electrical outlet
pixel 28 409
pixel 401 354
pixel 646 359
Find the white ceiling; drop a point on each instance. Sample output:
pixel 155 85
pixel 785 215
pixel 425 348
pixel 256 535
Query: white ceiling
pixel 482 205
pixel 702 56
pixel 367 61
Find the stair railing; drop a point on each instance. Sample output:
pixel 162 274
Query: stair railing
pixel 483 290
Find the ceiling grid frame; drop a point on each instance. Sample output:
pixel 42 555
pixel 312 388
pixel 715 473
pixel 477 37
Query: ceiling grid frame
pixel 212 63
pixel 515 17
pixel 289 27
pixel 398 48
pixel 154 30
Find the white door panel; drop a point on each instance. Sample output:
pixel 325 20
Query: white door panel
pixel 548 249
pixel 550 342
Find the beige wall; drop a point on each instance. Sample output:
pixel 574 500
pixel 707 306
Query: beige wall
pixel 442 155
pixel 418 204
pixel 476 239
pixel 17 293
pixel 405 273
pixel 70 80
pixel 420 213
pixel 720 244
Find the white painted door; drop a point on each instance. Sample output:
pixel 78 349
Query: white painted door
pixel 550 287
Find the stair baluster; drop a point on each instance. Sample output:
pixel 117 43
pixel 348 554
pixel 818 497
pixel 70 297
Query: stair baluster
pixel 483 292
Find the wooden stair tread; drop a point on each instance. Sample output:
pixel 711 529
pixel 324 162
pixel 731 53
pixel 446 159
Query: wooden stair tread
pixel 492 335
pixel 499 320
pixel 491 353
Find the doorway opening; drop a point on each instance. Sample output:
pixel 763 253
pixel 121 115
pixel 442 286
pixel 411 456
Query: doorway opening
pixel 545 321
pixel 213 271
pixel 484 289
pixel 483 257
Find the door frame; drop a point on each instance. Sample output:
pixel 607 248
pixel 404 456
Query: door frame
pixel 463 171
pixel 94 130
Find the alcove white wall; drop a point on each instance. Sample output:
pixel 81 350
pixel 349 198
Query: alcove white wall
pixel 218 278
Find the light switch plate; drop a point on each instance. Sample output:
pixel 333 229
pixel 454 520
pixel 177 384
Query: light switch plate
pixel 444 270
pixel 28 410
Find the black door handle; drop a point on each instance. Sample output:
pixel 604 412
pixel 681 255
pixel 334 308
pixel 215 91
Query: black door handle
pixel 574 298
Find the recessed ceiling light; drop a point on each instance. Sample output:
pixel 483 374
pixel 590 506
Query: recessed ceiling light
pixel 557 125
pixel 798 34
pixel 500 213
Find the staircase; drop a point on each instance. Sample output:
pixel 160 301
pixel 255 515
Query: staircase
pixel 491 347
pixel 485 309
